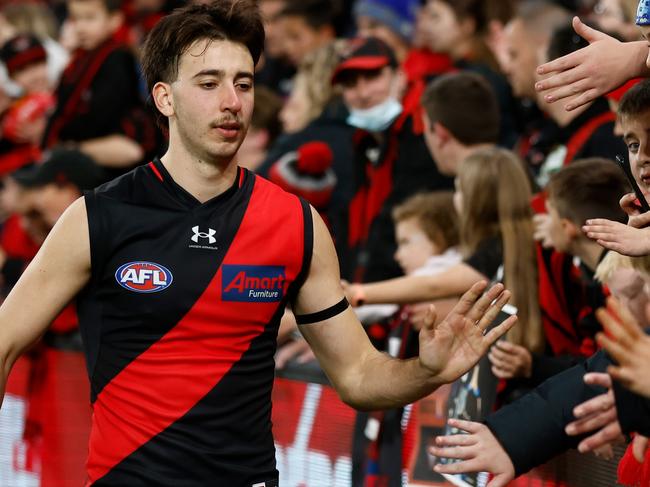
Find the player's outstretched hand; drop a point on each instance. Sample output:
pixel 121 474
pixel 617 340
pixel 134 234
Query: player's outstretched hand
pixel 479 451
pixel 597 414
pixel 629 346
pixel 456 344
pixel 624 239
pixel 584 75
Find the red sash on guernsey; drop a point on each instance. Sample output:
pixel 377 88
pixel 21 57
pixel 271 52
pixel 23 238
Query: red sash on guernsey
pixel 200 350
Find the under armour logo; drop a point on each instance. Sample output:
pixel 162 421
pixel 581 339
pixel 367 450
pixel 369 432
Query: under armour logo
pixel 209 235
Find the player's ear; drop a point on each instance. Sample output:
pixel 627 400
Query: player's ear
pixel 161 94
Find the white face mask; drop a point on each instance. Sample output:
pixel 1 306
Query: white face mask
pixel 377 118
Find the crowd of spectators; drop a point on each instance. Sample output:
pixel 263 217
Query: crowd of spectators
pixel 419 132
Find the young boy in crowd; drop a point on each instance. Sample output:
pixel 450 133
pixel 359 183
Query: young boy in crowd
pixel 531 431
pixel 99 107
pixel 427 234
pixel 426 230
pixel 585 189
pixel 632 239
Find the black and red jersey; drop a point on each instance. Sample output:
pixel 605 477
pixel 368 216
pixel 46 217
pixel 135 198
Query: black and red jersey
pixel 179 322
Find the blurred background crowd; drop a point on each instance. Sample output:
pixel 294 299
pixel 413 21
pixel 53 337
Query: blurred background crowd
pixel 413 127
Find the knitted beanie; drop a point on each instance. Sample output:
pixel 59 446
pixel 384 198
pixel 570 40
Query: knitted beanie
pixel 307 172
pixel 398 15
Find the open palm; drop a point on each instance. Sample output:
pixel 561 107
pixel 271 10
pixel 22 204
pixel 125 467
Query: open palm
pixel 457 343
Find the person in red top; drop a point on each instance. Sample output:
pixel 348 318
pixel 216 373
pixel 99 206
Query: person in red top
pixel 183 268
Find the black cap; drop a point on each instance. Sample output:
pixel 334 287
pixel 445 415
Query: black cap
pixel 21 51
pixel 365 54
pixel 61 166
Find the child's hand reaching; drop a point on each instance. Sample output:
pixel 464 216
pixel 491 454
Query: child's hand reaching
pixel 624 239
pixel 510 360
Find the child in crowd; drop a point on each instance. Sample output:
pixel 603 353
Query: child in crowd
pixel 426 226
pixel 583 190
pixel 634 118
pixel 98 99
pixel 626 282
pixel 426 229
pixel 493 201
pixel 627 343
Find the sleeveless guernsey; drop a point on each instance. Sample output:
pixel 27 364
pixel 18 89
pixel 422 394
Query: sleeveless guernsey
pixel 179 322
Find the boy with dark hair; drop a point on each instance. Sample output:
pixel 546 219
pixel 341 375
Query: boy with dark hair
pixel 634 238
pixel 585 189
pixel 453 126
pixel 588 190
pixel 183 268
pixel 427 233
pixel 99 107
pixel 306 26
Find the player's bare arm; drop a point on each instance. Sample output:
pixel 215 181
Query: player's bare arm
pixel 368 379
pixel 59 270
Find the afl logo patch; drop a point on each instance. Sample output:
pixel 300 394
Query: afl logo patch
pixel 143 277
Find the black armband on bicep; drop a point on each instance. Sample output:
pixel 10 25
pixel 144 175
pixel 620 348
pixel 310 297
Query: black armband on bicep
pixel 323 315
